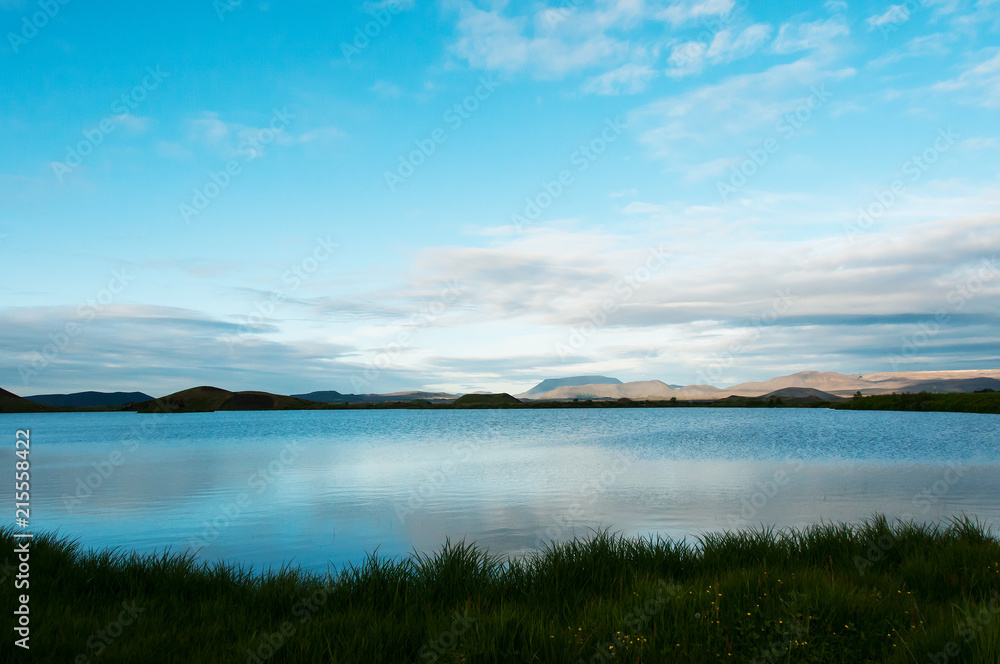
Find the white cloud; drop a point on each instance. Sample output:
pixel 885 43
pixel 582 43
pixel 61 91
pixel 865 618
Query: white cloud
pixel 980 143
pixel 315 135
pixel 692 10
pixel 210 127
pixel 728 109
pixel 818 35
pixel 391 5
pixel 628 79
pixel 234 138
pixel 686 59
pixel 981 81
pixel 918 47
pixel 490 40
pixel 710 169
pixel 554 278
pixel 133 123
pixel 726 47
pixel 638 207
pixel 894 15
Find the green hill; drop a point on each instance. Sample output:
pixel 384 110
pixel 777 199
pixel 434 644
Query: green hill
pixel 11 403
pixel 206 399
pixel 485 400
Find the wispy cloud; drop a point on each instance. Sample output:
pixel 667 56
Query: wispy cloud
pixel 817 35
pixel 980 81
pixel 628 79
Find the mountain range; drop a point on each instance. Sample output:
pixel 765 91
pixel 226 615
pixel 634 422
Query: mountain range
pixel 837 384
pixel 823 385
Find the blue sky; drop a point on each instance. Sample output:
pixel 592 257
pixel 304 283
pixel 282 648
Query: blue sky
pixel 466 196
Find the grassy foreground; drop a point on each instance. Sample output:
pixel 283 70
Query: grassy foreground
pixel 871 592
pixel 958 402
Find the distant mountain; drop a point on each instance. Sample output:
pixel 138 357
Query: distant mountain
pixel 880 383
pixel 550 384
pixel 949 385
pixel 89 399
pixel 640 389
pixel 331 396
pixel 208 399
pixel 830 383
pixel 11 403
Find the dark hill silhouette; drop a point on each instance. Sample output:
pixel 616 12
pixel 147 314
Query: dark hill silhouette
pixel 801 393
pixel 207 399
pixel 485 400
pixel 951 385
pixel 332 396
pixel 11 403
pixel 89 399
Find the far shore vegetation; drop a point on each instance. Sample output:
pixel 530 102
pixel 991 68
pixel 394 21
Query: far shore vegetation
pixel 877 592
pixel 209 399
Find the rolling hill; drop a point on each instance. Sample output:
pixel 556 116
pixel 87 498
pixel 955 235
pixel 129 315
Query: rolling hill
pixel 331 396
pixel 11 403
pixel 89 399
pixel 207 399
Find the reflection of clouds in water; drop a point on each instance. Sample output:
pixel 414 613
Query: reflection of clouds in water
pixel 516 476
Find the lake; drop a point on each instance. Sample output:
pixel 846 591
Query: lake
pixel 321 488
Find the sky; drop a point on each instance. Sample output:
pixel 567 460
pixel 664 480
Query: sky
pixel 464 195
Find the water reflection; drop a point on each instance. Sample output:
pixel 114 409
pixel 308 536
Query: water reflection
pixel 316 488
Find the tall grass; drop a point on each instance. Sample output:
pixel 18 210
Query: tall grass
pixel 877 591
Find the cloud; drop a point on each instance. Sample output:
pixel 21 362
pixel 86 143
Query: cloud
pixel 131 122
pixel 686 58
pixel 677 126
pixel 726 47
pixel 710 169
pixel 904 272
pixel 628 79
pixel 894 15
pixel 157 350
pixel 638 207
pixel 386 89
pixel 490 40
pixel 210 128
pixel 392 5
pixel 237 139
pixel 851 301
pixel 319 134
pixel 687 11
pixel 918 47
pixel 980 143
pixel 818 35
pixel 981 81
pixel 552 42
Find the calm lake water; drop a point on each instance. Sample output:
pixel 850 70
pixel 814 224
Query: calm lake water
pixel 328 487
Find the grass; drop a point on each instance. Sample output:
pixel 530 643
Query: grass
pixel 958 402
pixel 877 591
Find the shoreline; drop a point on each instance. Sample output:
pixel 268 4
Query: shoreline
pixel 871 591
